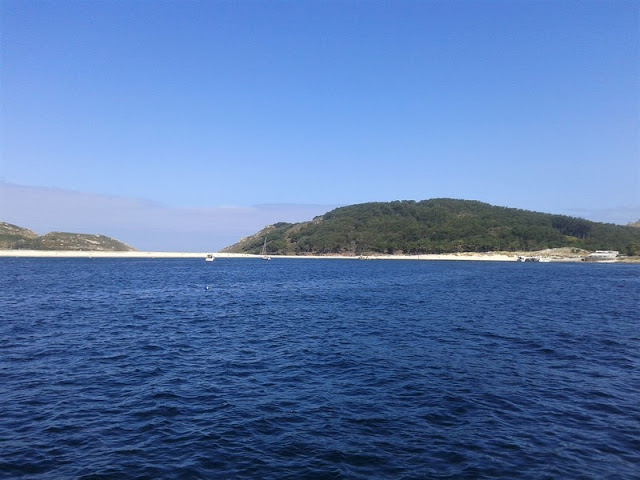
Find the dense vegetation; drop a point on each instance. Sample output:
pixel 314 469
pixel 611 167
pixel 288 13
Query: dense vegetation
pixel 437 226
pixel 13 237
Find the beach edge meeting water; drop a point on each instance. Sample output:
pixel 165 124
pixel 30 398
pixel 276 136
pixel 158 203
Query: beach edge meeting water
pixel 496 256
pixel 548 255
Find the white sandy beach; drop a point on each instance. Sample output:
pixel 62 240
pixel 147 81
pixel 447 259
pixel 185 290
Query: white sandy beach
pixel 100 254
pixel 489 256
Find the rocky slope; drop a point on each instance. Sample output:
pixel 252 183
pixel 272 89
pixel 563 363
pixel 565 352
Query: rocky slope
pixel 13 237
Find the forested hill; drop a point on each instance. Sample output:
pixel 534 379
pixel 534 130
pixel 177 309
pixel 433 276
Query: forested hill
pixel 437 226
pixel 13 237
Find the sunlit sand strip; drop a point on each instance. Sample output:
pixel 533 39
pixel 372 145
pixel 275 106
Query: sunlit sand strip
pixel 99 254
pixel 469 256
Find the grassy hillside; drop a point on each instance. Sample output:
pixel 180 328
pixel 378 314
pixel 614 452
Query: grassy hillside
pixel 14 237
pixel 437 226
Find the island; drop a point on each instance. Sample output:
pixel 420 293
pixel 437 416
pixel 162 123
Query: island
pixel 436 227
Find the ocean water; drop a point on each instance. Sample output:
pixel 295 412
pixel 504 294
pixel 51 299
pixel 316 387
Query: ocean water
pixel 294 369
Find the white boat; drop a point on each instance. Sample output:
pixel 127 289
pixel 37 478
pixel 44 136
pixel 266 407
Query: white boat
pixel 264 250
pixel 210 258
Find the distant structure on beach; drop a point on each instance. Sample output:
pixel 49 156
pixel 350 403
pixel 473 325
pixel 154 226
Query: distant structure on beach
pixel 522 258
pixel 602 255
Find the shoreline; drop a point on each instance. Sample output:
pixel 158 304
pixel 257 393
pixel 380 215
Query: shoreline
pixel 557 255
pixel 465 256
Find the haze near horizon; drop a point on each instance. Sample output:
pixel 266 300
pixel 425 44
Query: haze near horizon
pixel 216 106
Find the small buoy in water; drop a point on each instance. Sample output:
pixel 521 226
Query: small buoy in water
pixel 207 287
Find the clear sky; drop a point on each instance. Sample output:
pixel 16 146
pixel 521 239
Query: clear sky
pixel 203 105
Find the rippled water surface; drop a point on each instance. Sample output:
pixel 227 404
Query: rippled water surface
pixel 318 369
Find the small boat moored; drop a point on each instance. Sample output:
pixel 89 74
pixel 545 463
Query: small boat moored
pixel 264 250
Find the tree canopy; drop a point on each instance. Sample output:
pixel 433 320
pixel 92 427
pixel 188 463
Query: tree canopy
pixel 437 226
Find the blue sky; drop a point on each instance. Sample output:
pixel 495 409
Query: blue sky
pixel 201 106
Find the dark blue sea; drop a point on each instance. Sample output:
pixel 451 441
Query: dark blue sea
pixel 313 369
